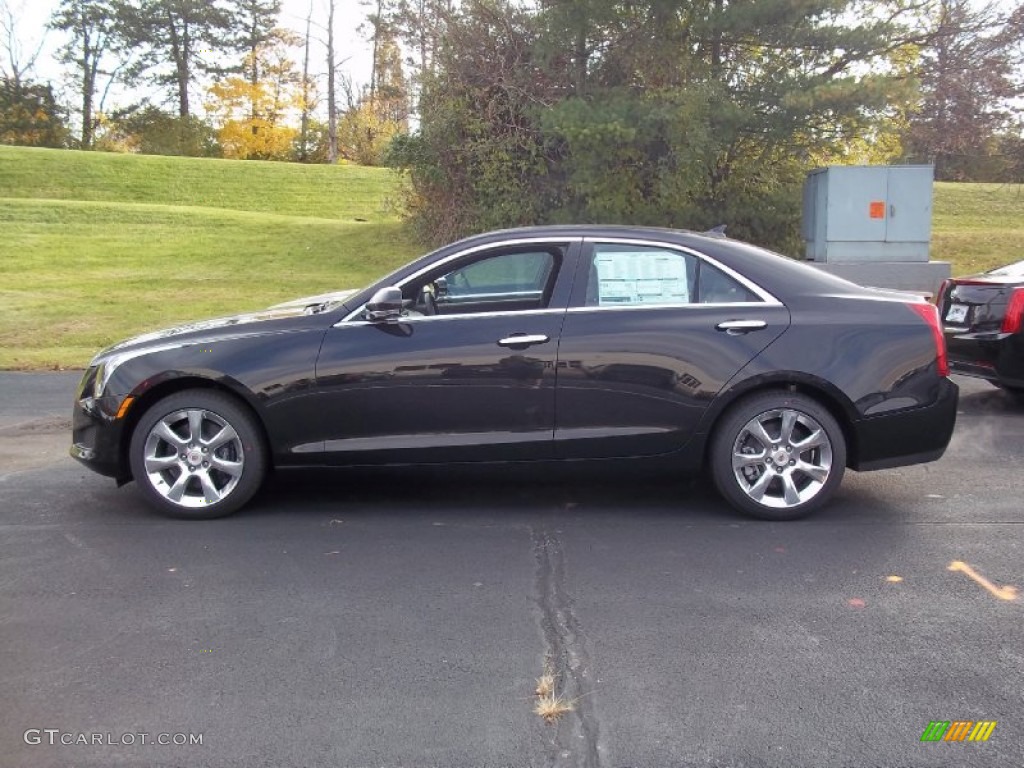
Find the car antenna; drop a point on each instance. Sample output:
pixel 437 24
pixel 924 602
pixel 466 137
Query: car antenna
pixel 718 231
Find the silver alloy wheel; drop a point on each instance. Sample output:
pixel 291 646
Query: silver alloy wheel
pixel 782 458
pixel 193 458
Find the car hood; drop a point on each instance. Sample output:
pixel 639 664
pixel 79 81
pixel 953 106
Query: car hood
pixel 308 303
pixel 241 324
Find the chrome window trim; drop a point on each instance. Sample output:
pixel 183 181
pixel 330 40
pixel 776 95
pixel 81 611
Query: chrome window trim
pixel 454 299
pixel 752 305
pixel 766 297
pixel 469 252
pixel 432 318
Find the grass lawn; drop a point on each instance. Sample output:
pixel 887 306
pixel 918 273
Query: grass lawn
pixel 978 226
pixel 96 247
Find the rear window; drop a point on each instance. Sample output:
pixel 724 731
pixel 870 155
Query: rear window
pixel 639 275
pixel 716 287
pixel 1010 270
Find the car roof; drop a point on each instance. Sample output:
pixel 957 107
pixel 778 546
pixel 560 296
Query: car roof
pixel 781 275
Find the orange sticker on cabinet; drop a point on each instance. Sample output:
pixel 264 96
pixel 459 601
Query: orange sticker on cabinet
pixel 877 209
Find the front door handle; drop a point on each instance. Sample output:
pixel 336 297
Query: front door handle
pixel 523 340
pixel 734 327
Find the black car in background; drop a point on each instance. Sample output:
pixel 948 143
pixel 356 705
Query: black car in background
pixel 983 318
pixel 541 344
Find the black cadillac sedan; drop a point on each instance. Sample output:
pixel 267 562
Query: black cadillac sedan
pixel 983 316
pixel 555 343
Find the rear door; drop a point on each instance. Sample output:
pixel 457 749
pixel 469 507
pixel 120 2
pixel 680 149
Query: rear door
pixel 652 334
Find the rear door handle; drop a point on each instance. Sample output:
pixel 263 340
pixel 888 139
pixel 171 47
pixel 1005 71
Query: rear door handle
pixel 734 327
pixel 523 340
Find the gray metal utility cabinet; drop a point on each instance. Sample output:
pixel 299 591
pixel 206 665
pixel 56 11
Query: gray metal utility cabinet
pixel 868 213
pixel 872 224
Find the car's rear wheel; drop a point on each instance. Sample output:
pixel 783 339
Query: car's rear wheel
pixel 778 455
pixel 197 454
pixel 1015 392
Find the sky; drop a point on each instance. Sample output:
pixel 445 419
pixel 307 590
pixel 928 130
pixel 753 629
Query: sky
pixel 31 18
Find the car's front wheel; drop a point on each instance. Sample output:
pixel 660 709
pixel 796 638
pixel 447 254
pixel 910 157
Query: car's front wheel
pixel 778 455
pixel 197 454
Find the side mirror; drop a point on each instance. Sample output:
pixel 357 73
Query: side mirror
pixel 385 306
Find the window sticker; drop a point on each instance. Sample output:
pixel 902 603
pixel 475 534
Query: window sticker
pixel 644 277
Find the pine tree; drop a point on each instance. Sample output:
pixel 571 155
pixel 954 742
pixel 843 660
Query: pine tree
pixel 177 40
pixel 90 27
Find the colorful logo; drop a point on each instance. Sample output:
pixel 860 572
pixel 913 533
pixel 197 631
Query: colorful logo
pixel 958 730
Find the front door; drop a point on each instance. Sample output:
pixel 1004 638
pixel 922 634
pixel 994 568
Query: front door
pixel 466 374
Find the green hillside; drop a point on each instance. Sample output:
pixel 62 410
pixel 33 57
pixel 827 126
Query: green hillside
pixel 95 247
pixel 339 192
pixel 978 226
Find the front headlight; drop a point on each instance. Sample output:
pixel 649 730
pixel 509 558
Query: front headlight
pixel 96 378
pixel 87 386
pixel 99 380
pixel 106 364
pixel 97 375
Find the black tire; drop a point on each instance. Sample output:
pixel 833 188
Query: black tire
pixel 796 484
pixel 1016 393
pixel 198 479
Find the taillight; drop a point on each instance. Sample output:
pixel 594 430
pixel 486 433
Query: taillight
pixel 930 314
pixel 1014 317
pixel 942 292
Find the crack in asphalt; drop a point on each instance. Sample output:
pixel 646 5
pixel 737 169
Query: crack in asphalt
pixel 567 658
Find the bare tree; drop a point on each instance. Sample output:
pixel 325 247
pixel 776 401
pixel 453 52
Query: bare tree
pixel 967 82
pixel 377 22
pixel 306 92
pixel 332 107
pixel 18 53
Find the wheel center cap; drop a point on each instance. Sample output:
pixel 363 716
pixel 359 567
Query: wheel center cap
pixel 194 456
pixel 780 457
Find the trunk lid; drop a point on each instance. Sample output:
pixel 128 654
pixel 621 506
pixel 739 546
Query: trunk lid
pixel 975 304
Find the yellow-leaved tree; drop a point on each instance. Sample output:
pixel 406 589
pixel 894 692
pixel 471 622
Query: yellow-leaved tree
pixel 253 117
pixel 366 129
pixel 364 133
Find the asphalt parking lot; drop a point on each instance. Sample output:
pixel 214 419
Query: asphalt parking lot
pixel 358 619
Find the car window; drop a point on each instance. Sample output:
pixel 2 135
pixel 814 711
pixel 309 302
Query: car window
pixel 632 275
pixel 507 280
pixel 637 275
pixel 716 287
pixel 502 274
